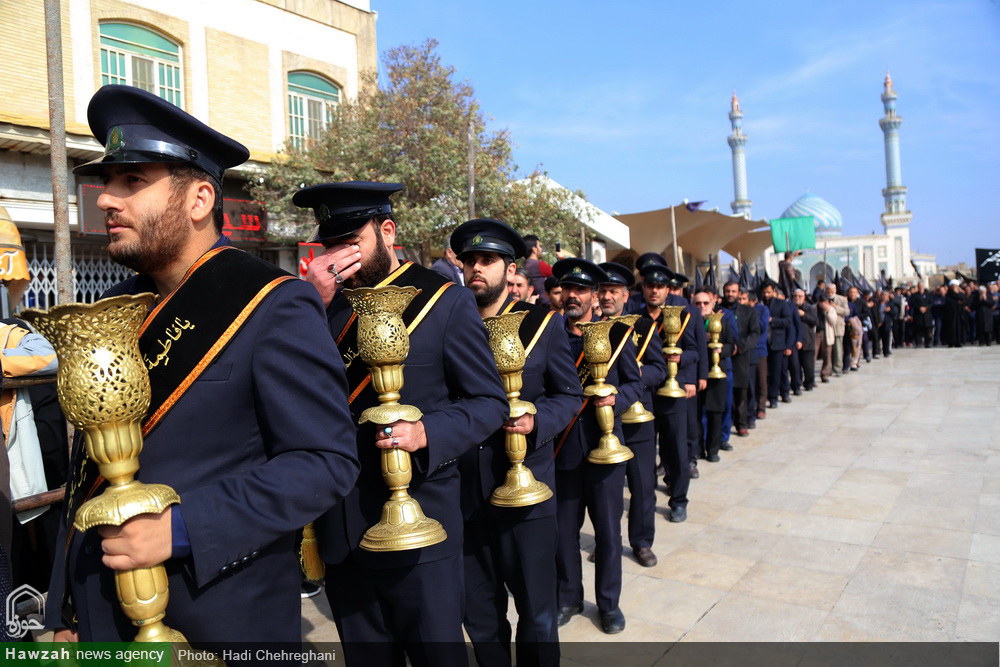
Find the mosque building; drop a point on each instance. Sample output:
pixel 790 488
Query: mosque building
pixel 870 254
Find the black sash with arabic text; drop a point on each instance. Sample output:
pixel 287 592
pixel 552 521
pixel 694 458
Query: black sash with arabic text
pixel 188 329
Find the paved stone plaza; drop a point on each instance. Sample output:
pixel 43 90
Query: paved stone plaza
pixel 867 509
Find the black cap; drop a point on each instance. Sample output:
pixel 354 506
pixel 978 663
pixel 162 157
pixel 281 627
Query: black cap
pixel 487 235
pixel 618 274
pixel 678 279
pixel 654 273
pixel 344 208
pixel 649 258
pixel 139 127
pixel 575 271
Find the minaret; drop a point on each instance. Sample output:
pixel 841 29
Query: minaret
pixel 895 219
pixel 737 142
pixel 894 192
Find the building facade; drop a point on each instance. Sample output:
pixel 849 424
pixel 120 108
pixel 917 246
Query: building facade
pixel 265 72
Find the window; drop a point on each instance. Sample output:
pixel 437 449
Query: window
pixel 311 104
pixel 138 57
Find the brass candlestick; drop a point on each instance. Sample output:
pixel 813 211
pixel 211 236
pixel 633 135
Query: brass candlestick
pixel 672 327
pixel 597 351
pixel 715 330
pixel 636 413
pixel 383 344
pixel 104 392
pixel 520 488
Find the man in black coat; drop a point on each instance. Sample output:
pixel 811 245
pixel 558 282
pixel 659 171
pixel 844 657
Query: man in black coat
pixel 514 548
pixel 747 334
pixel 807 354
pixel 890 314
pixel 923 318
pixel 396 604
pixel 583 486
pixel 780 340
pixel 248 420
pixel 640 470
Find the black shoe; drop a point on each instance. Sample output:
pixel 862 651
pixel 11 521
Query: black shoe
pixel 824 380
pixel 787 399
pixel 612 622
pixel 592 558
pixel 694 470
pixel 854 368
pixel 713 458
pixel 726 447
pixel 678 514
pixel 797 392
pixel 772 404
pixel 310 590
pixel 566 613
pixel 644 556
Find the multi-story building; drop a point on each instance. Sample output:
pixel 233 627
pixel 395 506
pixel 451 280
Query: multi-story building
pixel 262 71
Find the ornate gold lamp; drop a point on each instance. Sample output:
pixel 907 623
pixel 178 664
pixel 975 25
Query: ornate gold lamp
pixel 636 413
pixel 520 488
pixel 715 331
pixel 383 344
pixel 104 392
pixel 672 327
pixel 597 351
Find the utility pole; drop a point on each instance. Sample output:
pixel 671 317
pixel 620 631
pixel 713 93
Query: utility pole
pixel 472 165
pixel 57 152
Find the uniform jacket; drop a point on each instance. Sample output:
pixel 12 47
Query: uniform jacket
pixel 653 365
pixel 259 445
pixel 551 384
pixel 451 377
pixel 585 432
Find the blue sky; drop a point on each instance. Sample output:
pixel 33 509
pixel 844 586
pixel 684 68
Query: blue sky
pixel 628 102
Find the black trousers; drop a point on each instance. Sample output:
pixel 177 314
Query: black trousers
pixel 794 373
pixel 386 616
pixel 504 552
pixel 671 434
pixel 777 365
pixel 596 489
pixel 640 474
pixel 760 390
pixel 807 363
pixel 886 333
pixel 922 335
pixel 694 434
pixel 741 401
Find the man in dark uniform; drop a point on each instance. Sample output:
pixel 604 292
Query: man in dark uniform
pixel 640 470
pixel 248 421
pixel 671 413
pixel 712 401
pixel 637 302
pixel 514 548
pixel 676 287
pixel 390 603
pixel 580 484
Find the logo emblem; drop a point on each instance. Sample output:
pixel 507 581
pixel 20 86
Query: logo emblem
pixel 323 213
pixel 116 139
pixel 477 239
pixel 17 625
pixel 577 270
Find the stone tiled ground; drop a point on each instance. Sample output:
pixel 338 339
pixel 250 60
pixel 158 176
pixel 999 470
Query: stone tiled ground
pixel 868 509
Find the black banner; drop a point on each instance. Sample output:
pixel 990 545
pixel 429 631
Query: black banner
pixel 987 265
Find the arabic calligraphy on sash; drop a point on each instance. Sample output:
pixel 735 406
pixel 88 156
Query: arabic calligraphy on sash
pixel 171 333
